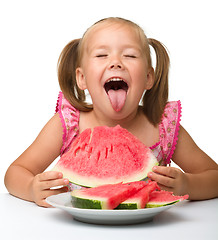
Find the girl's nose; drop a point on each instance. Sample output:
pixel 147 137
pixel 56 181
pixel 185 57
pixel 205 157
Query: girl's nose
pixel 115 63
pixel 116 66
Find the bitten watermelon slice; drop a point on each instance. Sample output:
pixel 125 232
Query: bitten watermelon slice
pixel 106 196
pixel 141 198
pixel 106 155
pixel 163 198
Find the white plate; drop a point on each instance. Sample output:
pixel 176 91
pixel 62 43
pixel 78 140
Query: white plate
pixel 98 216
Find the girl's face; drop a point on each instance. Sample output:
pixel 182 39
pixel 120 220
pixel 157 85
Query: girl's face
pixel 114 69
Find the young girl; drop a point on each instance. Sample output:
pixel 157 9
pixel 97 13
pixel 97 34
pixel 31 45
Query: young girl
pixel 112 61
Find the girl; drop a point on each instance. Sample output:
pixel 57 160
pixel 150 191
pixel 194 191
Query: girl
pixel 112 61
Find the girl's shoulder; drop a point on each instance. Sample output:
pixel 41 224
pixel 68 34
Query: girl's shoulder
pixel 69 116
pixel 172 109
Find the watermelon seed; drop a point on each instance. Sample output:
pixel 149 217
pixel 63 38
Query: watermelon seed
pixel 106 153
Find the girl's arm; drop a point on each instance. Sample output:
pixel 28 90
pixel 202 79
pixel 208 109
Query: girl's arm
pixel 200 176
pixel 25 178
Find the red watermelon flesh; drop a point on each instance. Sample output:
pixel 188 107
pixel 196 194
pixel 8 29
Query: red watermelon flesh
pixel 106 155
pixel 105 196
pixel 163 198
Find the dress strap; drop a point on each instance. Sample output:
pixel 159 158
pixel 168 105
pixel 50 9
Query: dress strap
pixel 70 121
pixel 169 129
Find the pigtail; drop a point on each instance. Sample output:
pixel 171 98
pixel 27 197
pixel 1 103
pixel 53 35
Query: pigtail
pixel 67 64
pixel 156 98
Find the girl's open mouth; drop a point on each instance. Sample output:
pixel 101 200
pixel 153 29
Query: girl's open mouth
pixel 116 89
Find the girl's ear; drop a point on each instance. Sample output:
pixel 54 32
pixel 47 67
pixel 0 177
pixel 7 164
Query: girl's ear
pixel 150 79
pixel 80 78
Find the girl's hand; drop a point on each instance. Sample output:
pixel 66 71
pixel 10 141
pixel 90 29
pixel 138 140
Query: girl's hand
pixel 169 179
pixel 41 186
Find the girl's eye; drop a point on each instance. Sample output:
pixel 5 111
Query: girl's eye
pixel 101 55
pixel 130 56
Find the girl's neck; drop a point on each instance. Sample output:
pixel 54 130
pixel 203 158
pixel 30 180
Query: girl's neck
pixel 93 118
pixel 126 122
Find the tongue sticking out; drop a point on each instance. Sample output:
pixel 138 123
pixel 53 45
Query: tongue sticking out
pixel 117 98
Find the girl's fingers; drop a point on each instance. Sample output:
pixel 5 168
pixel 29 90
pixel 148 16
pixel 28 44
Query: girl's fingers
pixel 166 171
pixel 50 175
pixel 161 179
pixel 54 183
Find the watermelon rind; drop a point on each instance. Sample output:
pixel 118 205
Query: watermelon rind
pixel 129 205
pixel 81 200
pixel 136 204
pixel 87 203
pixel 160 204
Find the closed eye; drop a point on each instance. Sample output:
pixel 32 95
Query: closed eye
pixel 130 56
pixel 101 55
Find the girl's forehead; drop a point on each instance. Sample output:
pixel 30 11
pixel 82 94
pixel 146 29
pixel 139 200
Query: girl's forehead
pixel 109 31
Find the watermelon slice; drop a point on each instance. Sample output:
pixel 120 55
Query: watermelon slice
pixel 106 155
pixel 163 198
pixel 141 198
pixel 106 196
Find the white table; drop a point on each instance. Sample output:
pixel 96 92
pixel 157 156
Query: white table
pixel 25 220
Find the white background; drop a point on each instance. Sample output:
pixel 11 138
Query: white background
pixel 33 33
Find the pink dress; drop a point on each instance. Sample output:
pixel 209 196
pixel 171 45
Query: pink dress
pixel 168 128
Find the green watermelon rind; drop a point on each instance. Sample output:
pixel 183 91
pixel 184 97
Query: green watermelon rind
pixel 131 206
pixel 82 201
pixel 160 204
pixel 135 204
pixel 128 205
pixel 92 181
pixel 86 203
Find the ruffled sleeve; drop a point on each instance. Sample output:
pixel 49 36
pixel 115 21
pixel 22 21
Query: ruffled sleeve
pixel 169 129
pixel 70 121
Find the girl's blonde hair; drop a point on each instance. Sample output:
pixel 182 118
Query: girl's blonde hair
pixel 154 100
